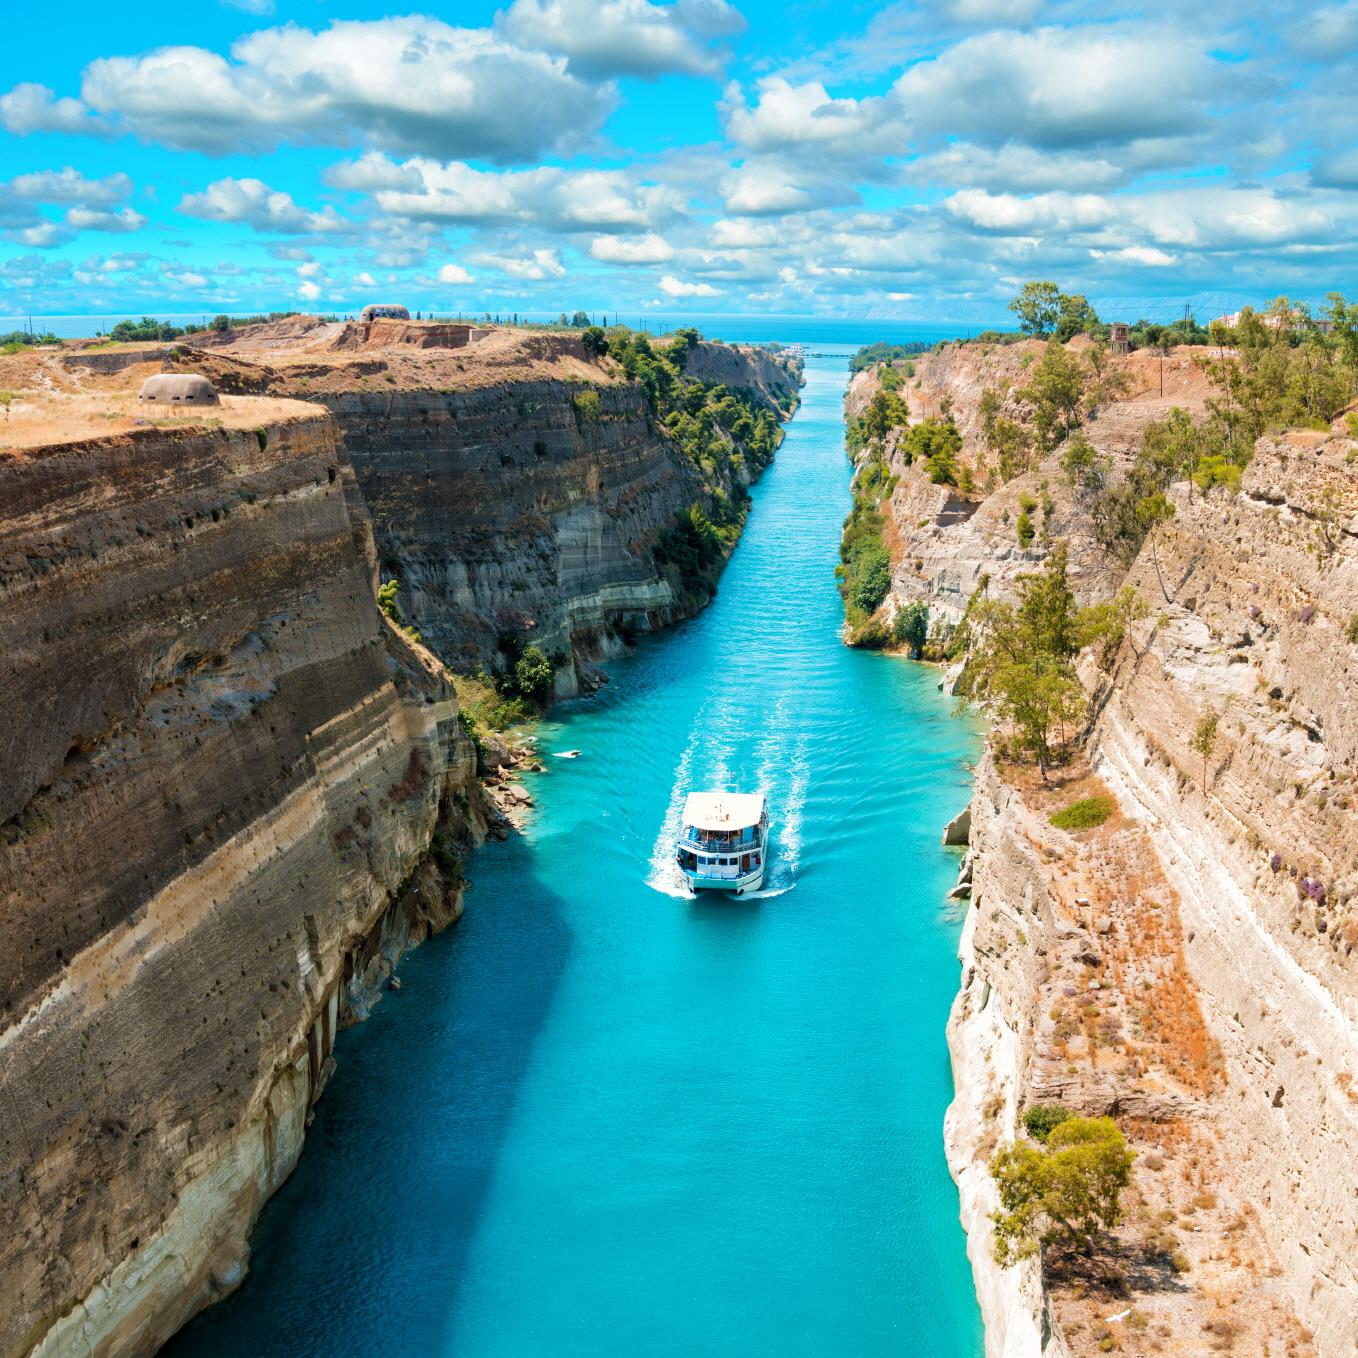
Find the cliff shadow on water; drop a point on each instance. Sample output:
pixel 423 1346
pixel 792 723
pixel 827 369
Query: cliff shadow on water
pixel 366 1247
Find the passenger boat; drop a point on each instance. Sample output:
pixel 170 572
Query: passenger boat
pixel 724 841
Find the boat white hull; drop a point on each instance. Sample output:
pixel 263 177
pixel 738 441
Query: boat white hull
pixel 738 886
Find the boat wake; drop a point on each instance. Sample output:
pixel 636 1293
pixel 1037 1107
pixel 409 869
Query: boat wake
pixel 783 776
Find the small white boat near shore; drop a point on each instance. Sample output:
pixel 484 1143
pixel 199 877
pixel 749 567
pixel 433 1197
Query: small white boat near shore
pixel 724 841
pixel 567 754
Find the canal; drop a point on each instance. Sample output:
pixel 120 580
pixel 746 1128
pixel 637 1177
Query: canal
pixel 600 1119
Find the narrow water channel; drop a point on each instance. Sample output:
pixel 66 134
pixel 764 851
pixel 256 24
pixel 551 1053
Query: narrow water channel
pixel 600 1120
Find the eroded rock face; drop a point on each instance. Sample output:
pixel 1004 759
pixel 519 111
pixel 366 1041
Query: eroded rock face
pixel 1188 967
pixel 517 487
pixel 503 509
pixel 220 764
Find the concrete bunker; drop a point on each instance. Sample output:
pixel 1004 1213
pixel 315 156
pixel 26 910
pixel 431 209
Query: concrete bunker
pixel 378 311
pixel 185 389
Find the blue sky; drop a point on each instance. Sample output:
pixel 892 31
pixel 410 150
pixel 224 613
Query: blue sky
pixel 809 158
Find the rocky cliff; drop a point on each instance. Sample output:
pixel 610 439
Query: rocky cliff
pixel 520 487
pixel 223 770
pixel 1185 966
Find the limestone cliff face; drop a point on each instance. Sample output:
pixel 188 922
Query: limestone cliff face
pixel 222 770
pixel 745 367
pixel 504 499
pixel 1254 607
pixel 946 544
pixel 504 509
pixel 1188 966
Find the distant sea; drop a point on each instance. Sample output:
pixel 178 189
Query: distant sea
pixel 746 329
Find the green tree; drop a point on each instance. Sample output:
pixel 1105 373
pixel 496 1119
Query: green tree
pixel 580 320
pixel 869 576
pixel 1056 390
pixel 1075 317
pixel 910 627
pixel 1205 739
pixel 1022 660
pixel 534 675
pixel 1038 308
pixel 595 341
pixel 1065 1194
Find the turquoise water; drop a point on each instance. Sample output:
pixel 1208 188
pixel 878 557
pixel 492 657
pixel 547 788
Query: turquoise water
pixel 601 1119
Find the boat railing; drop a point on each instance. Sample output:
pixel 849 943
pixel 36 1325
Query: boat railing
pixel 722 845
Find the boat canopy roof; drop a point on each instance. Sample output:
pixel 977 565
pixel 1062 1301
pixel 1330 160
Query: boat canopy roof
pixel 723 810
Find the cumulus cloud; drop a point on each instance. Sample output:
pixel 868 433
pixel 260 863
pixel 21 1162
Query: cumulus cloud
pixel 756 191
pixel 1044 212
pixel 70 186
pixel 674 287
pixel 1020 168
pixel 1143 255
pixel 807 120
pixel 252 203
pixel 532 267
pixel 409 84
pixel 1327 33
pixel 455 274
pixel 647 249
pixel 606 38
pixel 35 108
pixel 553 199
pixel 1061 88
pixel 88 219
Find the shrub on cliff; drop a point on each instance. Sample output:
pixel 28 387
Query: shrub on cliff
pixel 588 407
pixel 1041 1119
pixel 595 341
pixel 533 675
pixel 911 627
pixel 868 576
pixel 1065 1194
pixel 1022 662
pixel 1085 814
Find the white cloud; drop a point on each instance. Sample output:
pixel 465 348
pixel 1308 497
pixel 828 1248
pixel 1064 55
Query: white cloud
pixel 647 249
pixel 605 38
pixel 987 12
pixel 674 287
pixel 1144 255
pixel 805 119
pixel 550 198
pixel 308 290
pixel 454 274
pixel 411 84
pixel 763 190
pixel 70 186
pixel 34 108
pixel 744 235
pixel 1327 33
pixel 532 268
pixel 42 236
pixel 1061 88
pixel 1014 166
pixel 252 203
pixel 86 219
pixel 1008 213
pixel 364 280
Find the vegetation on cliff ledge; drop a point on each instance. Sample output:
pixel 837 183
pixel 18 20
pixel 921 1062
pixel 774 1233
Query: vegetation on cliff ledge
pixel 1063 1193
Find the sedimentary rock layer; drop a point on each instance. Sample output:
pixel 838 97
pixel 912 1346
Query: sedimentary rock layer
pixel 1188 966
pixel 222 770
